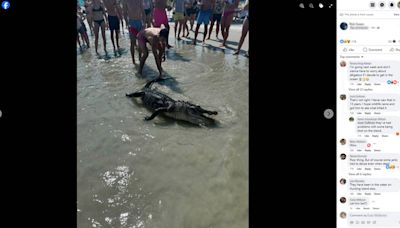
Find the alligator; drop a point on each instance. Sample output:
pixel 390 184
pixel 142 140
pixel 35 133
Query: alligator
pixel 179 110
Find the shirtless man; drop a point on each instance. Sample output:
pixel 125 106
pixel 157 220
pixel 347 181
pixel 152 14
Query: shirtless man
pixel 157 38
pixel 113 20
pixel 227 17
pixel 82 30
pixel 205 13
pixel 217 14
pixel 99 18
pixel 160 16
pixel 120 16
pixel 190 13
pixel 179 16
pixel 133 10
pixel 148 8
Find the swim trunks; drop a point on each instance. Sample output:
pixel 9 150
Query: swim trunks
pixel 113 22
pixel 160 17
pixel 228 12
pixel 178 16
pixel 141 38
pixel 204 17
pixel 216 17
pixel 135 26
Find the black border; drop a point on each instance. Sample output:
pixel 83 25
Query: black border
pixel 292 146
pixel 38 101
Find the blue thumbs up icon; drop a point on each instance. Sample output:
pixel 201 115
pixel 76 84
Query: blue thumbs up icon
pixel 5 5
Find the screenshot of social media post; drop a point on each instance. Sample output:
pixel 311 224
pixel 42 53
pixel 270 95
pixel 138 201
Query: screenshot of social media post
pixel 162 113
pixel 368 114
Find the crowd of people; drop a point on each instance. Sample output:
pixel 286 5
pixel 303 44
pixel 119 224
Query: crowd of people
pixel 147 22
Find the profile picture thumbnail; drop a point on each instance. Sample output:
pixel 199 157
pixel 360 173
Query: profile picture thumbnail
pixel 343 215
pixel 343 156
pixel 343 63
pixel 343 199
pixel 343 181
pixel 344 25
pixel 343 141
pixel 342 97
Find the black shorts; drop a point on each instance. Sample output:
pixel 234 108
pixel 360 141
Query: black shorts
pixel 82 30
pixel 147 11
pixel 113 22
pixel 190 11
pixel 216 17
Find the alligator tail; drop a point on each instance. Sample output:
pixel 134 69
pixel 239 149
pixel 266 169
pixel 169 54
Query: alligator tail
pixel 148 84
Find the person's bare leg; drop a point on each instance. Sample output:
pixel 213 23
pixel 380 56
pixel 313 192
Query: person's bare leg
pixel 158 62
pixel 211 28
pixel 79 42
pixel 226 35
pixel 112 38
pixel 180 29
pixel 218 25
pixel 96 37
pixel 133 42
pixel 187 28
pixel 184 27
pixel 103 34
pixel 228 23
pixel 205 33
pixel 196 33
pixel 143 58
pixel 223 29
pixel 90 23
pixel 117 37
pixel 192 21
pixel 167 27
pixel 85 36
pixel 150 19
pixel 176 27
pixel 245 29
pixel 140 54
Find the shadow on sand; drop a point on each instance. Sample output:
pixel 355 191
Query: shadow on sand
pixel 167 80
